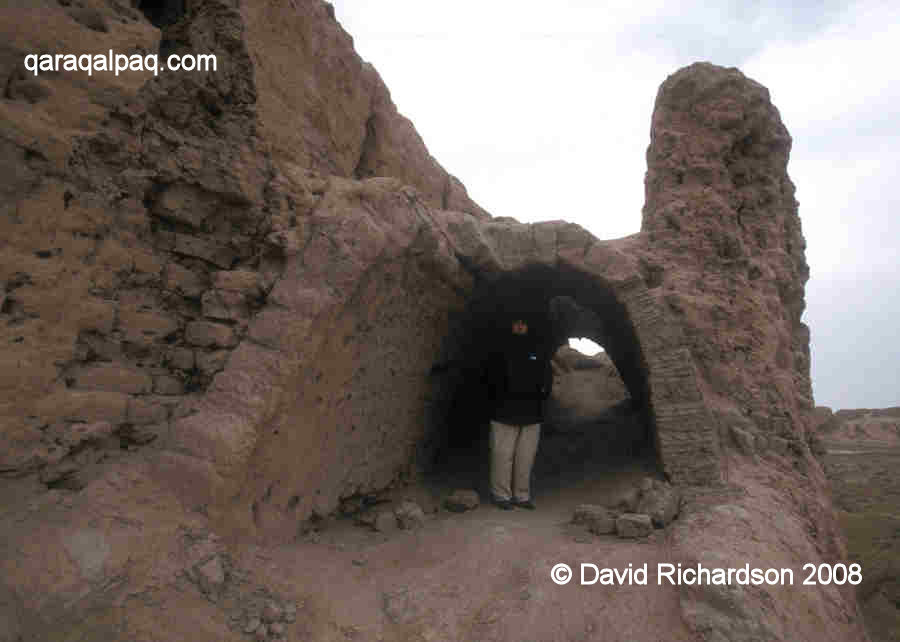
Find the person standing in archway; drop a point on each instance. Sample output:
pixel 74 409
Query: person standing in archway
pixel 519 379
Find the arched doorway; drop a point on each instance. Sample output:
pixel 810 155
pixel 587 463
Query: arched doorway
pixel 592 289
pixel 558 304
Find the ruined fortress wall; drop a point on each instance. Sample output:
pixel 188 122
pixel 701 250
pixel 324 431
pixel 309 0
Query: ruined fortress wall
pixel 172 256
pixel 143 218
pixel 175 262
pixel 724 243
pixel 222 295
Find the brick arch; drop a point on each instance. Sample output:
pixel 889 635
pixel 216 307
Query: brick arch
pixel 656 364
pixel 330 393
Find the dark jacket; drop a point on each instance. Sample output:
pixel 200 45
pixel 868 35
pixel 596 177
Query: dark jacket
pixel 518 378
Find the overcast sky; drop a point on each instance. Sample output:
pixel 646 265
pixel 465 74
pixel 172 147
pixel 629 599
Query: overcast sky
pixel 543 111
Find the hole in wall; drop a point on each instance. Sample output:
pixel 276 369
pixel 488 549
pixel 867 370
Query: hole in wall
pixel 597 417
pixel 162 13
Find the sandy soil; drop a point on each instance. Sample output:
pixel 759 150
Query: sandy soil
pixel 479 575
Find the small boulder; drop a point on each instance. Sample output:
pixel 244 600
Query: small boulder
pixel 385 521
pixel 409 515
pixel 598 519
pixel 627 499
pixel 660 501
pixel 634 525
pixel 462 500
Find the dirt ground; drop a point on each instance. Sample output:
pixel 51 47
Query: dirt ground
pixel 144 570
pixel 479 575
pixel 866 488
pixel 484 574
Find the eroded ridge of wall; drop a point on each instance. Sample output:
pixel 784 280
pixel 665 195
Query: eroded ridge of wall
pixel 137 254
pixel 145 224
pixel 725 247
pixel 144 217
pixel 205 255
pixel 323 108
pixel 722 248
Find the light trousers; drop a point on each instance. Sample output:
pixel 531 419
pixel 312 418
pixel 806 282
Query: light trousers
pixel 512 455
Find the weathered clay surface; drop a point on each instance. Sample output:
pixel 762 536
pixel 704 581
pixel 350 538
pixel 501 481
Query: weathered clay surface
pixel 717 176
pixel 858 426
pixel 225 296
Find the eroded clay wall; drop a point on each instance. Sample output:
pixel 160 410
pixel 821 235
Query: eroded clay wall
pixel 724 248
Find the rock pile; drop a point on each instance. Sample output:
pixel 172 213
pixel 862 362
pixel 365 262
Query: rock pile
pixel 654 504
pixel 268 621
pixel 407 515
pixel 462 500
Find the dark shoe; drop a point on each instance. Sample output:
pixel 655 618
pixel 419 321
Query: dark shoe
pixel 524 504
pixel 503 504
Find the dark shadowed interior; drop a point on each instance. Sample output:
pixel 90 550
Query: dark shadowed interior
pixel 558 304
pixel 162 13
